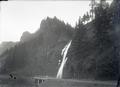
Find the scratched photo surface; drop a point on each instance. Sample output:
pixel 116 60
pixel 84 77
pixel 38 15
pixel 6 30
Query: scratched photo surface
pixel 60 43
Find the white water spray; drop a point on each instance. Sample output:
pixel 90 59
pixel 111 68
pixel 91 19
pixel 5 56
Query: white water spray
pixel 64 53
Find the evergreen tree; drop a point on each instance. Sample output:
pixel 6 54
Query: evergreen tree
pixel 85 18
pixel 93 4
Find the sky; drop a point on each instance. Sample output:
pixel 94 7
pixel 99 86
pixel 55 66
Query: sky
pixel 20 16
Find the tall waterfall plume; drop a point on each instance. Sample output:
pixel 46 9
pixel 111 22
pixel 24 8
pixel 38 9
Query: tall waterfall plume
pixel 64 54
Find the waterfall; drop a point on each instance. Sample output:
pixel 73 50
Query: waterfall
pixel 64 54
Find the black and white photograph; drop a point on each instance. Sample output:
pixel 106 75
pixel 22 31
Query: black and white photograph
pixel 60 43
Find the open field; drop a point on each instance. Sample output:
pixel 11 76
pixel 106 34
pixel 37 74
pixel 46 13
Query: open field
pixel 53 82
pixel 76 83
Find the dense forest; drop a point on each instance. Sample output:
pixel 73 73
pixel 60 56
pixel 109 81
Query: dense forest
pixel 93 54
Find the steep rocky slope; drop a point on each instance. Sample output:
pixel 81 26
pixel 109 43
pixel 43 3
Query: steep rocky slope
pixel 38 53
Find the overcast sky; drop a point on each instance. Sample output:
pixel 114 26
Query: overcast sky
pixel 20 16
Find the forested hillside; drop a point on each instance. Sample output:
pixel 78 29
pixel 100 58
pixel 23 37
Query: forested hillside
pixel 94 50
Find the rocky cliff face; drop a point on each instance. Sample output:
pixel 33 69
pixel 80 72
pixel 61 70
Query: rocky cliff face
pixel 26 36
pixel 39 54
